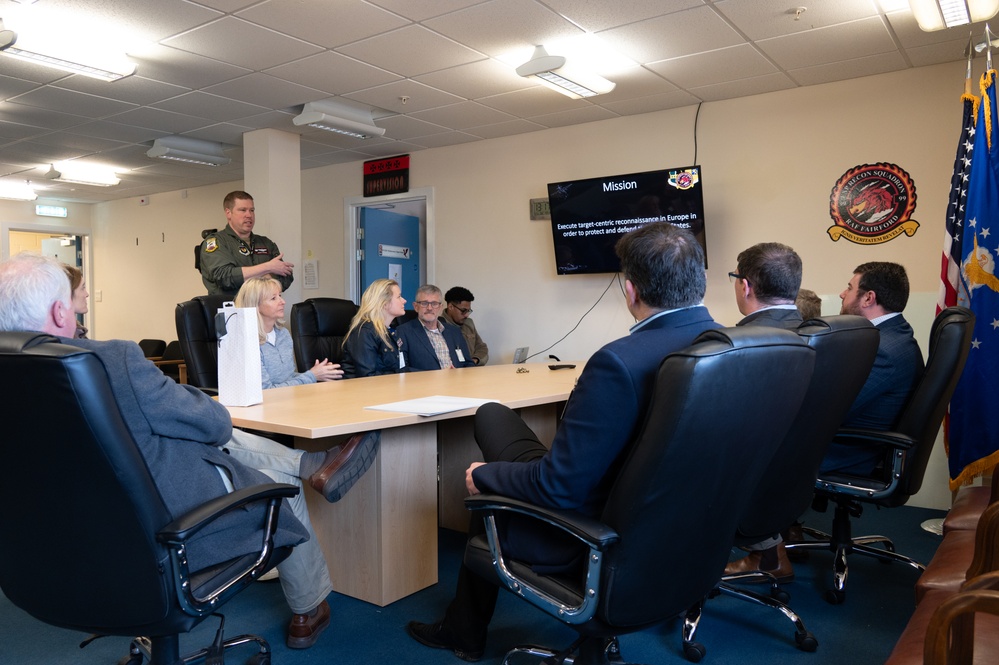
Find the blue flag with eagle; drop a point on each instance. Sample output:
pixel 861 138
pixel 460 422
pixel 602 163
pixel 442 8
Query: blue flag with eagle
pixel 973 444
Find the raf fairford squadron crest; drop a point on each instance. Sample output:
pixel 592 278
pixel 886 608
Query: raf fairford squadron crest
pixel 684 179
pixel 872 203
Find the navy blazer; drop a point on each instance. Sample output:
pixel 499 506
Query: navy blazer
pixel 419 351
pixel 365 354
pixel 788 319
pixel 602 417
pixel 897 366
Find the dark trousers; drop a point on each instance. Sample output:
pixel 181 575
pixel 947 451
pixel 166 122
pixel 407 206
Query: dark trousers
pixel 502 437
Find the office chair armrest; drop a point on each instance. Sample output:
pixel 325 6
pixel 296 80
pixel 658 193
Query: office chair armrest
pixel 596 535
pixel 181 529
pixel 864 437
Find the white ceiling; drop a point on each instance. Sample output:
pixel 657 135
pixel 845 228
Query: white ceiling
pixel 218 68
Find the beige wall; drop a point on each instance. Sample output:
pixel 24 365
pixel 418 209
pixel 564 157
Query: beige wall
pixel 769 163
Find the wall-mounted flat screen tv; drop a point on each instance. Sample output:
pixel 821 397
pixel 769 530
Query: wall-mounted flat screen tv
pixel 588 216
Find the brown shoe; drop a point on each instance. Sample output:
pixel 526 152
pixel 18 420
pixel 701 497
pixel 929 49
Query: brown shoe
pixel 305 629
pixel 750 563
pixel 345 465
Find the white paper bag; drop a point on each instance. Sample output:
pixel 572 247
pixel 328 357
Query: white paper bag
pixel 240 383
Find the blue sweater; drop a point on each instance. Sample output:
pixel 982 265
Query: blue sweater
pixel 277 363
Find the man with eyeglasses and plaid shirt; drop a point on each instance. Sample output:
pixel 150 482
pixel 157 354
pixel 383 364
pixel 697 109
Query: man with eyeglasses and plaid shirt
pixel 429 342
pixel 459 306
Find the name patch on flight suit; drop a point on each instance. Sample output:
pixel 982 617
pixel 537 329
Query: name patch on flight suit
pixel 261 250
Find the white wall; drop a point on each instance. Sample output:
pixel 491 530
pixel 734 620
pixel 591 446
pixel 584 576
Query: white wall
pixel 769 163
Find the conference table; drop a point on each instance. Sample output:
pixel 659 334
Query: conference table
pixel 380 540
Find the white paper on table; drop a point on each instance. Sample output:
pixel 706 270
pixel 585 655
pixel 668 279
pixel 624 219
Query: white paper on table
pixel 431 406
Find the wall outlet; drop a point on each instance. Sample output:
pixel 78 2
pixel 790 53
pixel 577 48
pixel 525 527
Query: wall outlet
pixel 98 296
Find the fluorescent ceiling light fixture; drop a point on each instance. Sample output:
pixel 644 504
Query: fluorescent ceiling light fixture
pixel 17 191
pixel 939 14
pixel 82 174
pixel 189 150
pixel 336 117
pixel 555 72
pixel 90 60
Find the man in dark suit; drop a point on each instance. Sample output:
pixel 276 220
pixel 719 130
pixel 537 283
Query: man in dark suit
pixel 430 342
pixel 664 288
pixel 767 277
pixel 878 291
pixel 187 440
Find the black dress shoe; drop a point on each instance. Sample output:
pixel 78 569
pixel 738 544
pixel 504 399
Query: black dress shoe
pixel 436 636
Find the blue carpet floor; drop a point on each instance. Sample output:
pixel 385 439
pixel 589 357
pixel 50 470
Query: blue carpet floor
pixel 861 631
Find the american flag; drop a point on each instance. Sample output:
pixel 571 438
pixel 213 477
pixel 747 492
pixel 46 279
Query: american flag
pixel 950 261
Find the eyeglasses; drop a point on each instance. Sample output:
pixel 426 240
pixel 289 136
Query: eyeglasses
pixel 732 276
pixel 464 310
pixel 427 304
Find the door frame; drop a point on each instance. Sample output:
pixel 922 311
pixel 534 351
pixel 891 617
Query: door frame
pixel 351 207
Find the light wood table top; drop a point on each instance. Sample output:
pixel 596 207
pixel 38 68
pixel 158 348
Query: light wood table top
pixel 338 407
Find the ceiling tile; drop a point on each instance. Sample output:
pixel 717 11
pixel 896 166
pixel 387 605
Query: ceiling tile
pixel 690 31
pixel 634 82
pixel 652 103
pixel 405 128
pixel 856 68
pixel 834 44
pixel 500 129
pixel 424 9
pixel 743 87
pixel 241 43
pixel 573 117
pixel 762 19
pixel 538 100
pixel 463 115
pixel 411 51
pixel 320 23
pixel 477 79
pixel 266 91
pixel 187 70
pixel 500 26
pixel 57 99
pixel 132 89
pixel 333 73
pixel 418 97
pixel 727 64
pixel 38 117
pixel 597 16
pixel 118 131
pixel 449 138
pixel 175 123
pixel 203 105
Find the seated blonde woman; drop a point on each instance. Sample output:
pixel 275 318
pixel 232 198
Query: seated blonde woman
pixel 370 347
pixel 277 359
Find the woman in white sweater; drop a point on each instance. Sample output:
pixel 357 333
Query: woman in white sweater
pixel 277 358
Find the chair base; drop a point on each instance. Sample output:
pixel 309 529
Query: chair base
pixel 584 651
pixel 694 651
pixel 165 650
pixel 841 543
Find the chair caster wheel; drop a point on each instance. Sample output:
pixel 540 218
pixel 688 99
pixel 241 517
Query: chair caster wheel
pixel 259 659
pixel 780 595
pixel 694 651
pixel 131 659
pixel 806 641
pixel 835 597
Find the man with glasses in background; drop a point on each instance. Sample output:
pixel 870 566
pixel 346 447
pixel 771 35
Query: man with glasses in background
pixel 429 342
pixel 459 306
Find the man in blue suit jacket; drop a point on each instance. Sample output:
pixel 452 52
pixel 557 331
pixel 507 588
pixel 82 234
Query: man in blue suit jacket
pixel 664 288
pixel 879 292
pixel 430 342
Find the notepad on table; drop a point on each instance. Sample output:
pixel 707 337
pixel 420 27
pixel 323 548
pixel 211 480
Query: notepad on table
pixel 431 406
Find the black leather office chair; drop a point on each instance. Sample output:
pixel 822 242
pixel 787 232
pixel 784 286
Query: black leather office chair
pixel 171 360
pixel 89 544
pixel 195 320
pixel 908 452
pixel 405 318
pixel 318 326
pixel 718 412
pixel 845 347
pixel 152 348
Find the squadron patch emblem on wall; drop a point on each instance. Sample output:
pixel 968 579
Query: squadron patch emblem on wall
pixel 872 203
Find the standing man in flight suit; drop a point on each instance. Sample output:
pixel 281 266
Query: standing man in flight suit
pixel 235 254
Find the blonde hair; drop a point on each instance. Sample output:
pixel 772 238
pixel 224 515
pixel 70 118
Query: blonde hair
pixel 376 297
pixel 252 293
